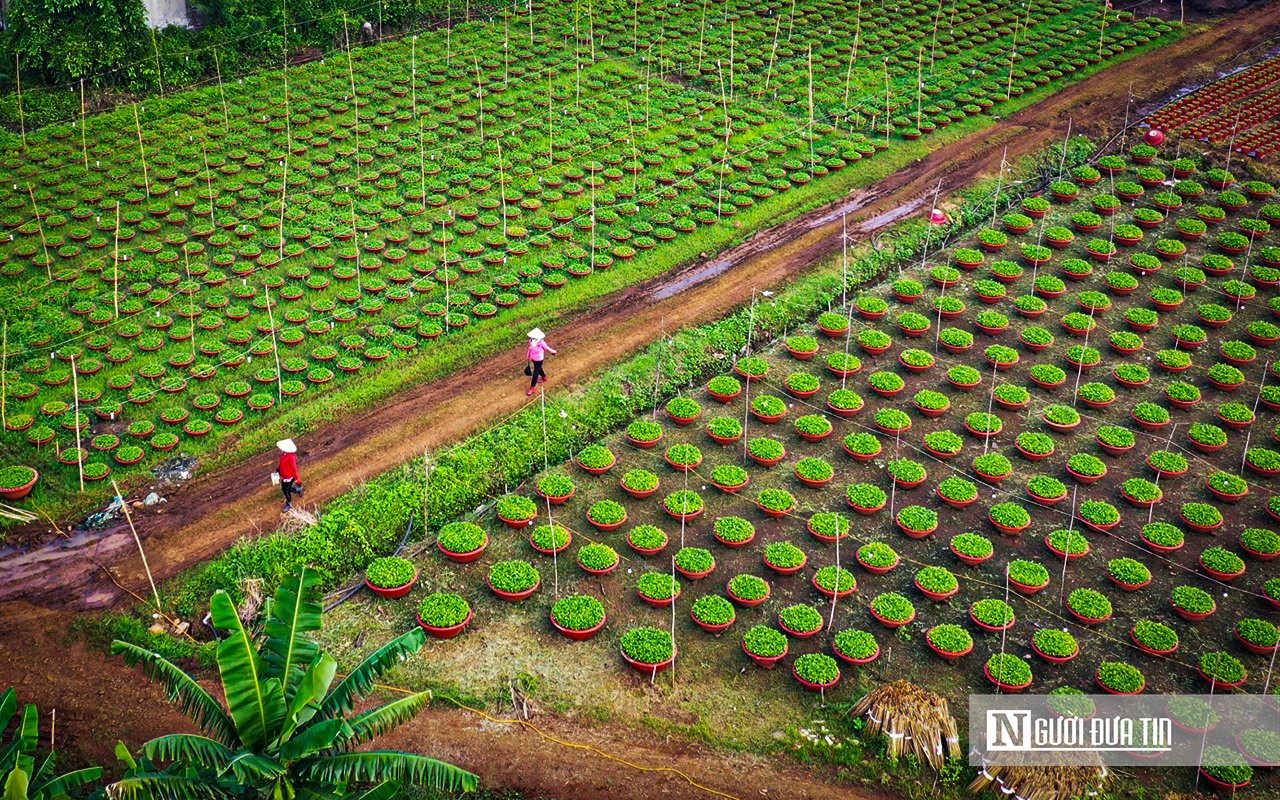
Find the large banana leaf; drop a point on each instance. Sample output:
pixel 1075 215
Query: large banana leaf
pixel 255 700
pixel 311 692
pixel 296 612
pixel 26 734
pixel 190 696
pixel 15 786
pixel 376 766
pixel 68 782
pixel 379 721
pixel 320 736
pixel 164 786
pixel 361 680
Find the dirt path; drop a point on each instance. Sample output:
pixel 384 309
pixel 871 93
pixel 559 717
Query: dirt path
pixel 98 701
pixel 211 512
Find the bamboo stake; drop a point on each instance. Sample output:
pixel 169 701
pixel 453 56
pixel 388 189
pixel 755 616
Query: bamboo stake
pixel 124 506
pixel 155 48
pixel 75 389
pixel 355 104
pixel 84 142
pixel 275 346
pixel 115 269
pixel 4 378
pixel 222 94
pixel 142 151
pixel 22 123
pixel 44 243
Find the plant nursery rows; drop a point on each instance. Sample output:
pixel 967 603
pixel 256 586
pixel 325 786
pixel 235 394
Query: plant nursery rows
pixel 1041 457
pixel 176 272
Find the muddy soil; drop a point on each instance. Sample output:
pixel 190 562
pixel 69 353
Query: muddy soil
pixel 99 701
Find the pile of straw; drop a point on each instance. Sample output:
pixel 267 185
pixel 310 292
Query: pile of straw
pixel 915 720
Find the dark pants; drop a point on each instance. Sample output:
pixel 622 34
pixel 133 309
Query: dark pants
pixel 537 372
pixel 286 488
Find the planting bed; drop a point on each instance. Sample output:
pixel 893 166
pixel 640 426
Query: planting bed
pixel 1117 565
pixel 245 249
pixel 1239 110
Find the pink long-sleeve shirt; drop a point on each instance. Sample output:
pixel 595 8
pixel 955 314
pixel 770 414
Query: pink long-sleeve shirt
pixel 539 349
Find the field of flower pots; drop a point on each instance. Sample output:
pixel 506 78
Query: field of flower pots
pixel 930 65
pixel 1043 458
pixel 179 272
pixel 1238 111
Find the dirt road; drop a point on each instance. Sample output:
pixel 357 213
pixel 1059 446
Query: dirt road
pixel 99 701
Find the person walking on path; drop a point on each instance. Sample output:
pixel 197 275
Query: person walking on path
pixel 538 349
pixel 288 471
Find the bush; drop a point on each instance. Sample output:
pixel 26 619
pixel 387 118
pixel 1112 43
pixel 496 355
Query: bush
pixel 1258 632
pixel 994 612
pixel 950 638
pixel 957 489
pixel 918 518
pixel 1225 765
pixel 1008 670
pixel 712 609
pixel 767 449
pixel 1128 571
pixel 1201 514
pixel 827 578
pixel 784 555
pixel 776 500
pixel 550 537
pixel 938 580
pixel 893 607
pixel 945 442
pixel 1220 559
pixel 578 612
pixel 993 465
pixel 1142 490
pixel 906 470
pixel 764 641
pixel 877 554
pixel 607 512
pixel 639 480
pixel 1099 512
pixel 443 610
pixel 513 576
pixel 554 484
pixel 648 645
pixel 1121 677
pixel 830 524
pixel 1028 573
pixel 1087 465
pixel 1010 515
pixel 724 385
pixel 801 618
pixel 1046 487
pixel 1192 600
pixel 734 529
pixel 1163 534
pixel 464 537
pixel 1055 643
pixel 972 545
pixel 748 587
pixel 597 556
pixel 595 456
pixel 657 586
pixel 856 644
pixel 813 425
pixel 390 572
pixel 1222 667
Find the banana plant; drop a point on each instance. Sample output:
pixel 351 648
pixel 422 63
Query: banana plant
pixel 287 731
pixel 23 779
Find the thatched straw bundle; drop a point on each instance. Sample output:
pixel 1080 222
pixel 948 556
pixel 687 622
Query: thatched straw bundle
pixel 915 720
pixel 1034 782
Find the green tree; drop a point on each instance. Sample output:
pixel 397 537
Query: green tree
pixel 61 41
pixel 23 780
pixel 287 731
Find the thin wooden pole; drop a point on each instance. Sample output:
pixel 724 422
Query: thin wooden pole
pixel 17 72
pixel 124 506
pixel 75 389
pixel 115 269
pixel 4 383
pixel 222 93
pixel 44 243
pixel 275 345
pixel 84 141
pixel 142 151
